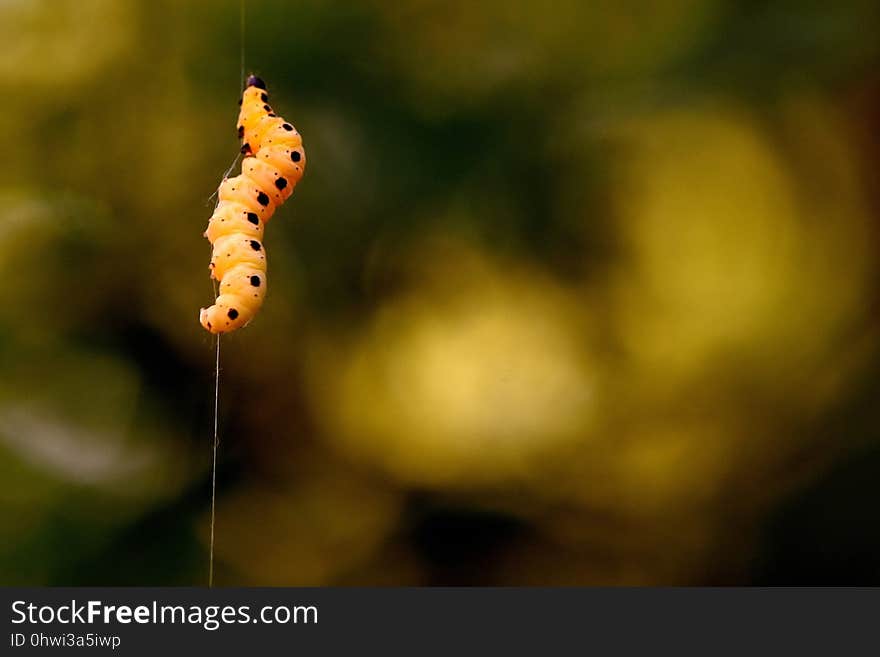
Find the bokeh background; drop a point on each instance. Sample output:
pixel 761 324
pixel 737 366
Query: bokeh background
pixel 571 293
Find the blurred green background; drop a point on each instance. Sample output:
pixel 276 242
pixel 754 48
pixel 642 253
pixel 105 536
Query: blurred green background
pixel 571 293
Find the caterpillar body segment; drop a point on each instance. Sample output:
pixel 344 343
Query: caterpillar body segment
pixel 235 249
pixel 274 163
pixel 283 156
pixel 242 189
pixel 268 178
pixel 231 217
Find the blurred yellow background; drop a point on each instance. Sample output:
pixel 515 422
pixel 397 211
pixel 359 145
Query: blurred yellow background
pixel 570 294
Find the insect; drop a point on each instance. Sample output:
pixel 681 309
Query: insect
pixel 274 161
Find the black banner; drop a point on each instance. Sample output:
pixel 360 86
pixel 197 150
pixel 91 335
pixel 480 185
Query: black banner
pixel 452 621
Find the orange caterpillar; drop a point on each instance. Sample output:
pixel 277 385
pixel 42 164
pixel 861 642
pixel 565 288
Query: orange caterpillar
pixel 273 164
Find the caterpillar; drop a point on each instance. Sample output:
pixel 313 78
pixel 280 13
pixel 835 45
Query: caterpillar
pixel 274 161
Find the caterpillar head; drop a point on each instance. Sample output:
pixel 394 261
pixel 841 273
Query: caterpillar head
pixel 254 81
